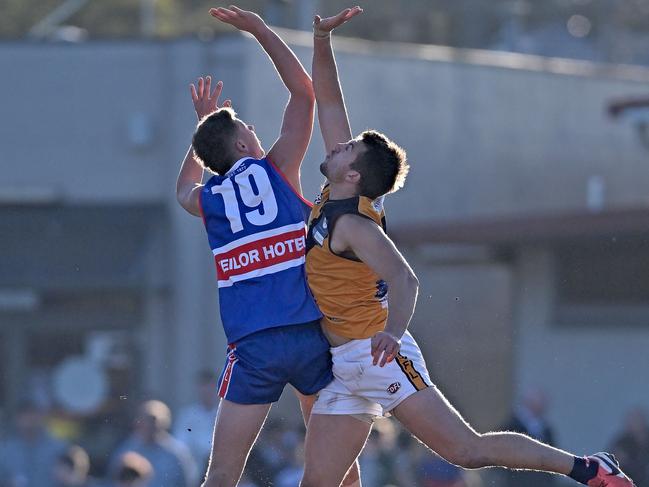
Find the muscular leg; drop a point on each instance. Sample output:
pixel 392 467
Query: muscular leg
pixel 332 444
pixel 352 479
pixel 235 431
pixel 429 416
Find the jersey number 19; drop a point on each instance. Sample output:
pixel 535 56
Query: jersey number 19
pixel 259 205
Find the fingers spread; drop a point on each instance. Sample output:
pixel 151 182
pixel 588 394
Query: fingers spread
pixel 217 91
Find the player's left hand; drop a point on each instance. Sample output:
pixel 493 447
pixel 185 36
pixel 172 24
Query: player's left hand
pixel 241 19
pixel 383 343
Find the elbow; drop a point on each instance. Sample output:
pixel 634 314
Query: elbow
pixel 405 280
pixel 304 91
pixel 182 197
pixel 413 281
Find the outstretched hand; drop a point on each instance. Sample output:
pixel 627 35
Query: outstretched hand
pixel 241 19
pixel 323 27
pixel 205 100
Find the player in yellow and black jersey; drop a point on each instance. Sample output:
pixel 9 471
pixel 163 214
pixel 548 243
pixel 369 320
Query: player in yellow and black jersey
pixel 352 297
pixel 377 365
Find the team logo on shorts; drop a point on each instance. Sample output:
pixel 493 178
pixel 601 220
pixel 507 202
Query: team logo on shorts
pixel 392 388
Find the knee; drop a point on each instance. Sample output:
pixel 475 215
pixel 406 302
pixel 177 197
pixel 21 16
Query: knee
pixel 469 455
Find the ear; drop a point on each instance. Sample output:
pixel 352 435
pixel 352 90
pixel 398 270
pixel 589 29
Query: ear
pixel 240 146
pixel 353 177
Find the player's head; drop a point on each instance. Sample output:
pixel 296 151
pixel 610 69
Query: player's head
pixel 153 417
pixel 132 470
pixel 221 139
pixel 72 467
pixel 371 163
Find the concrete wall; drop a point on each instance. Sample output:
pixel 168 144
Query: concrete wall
pixel 486 134
pixel 593 375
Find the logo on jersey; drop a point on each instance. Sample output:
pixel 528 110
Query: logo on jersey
pixel 377 204
pixel 392 388
pixel 260 254
pixel 382 292
pixel 320 230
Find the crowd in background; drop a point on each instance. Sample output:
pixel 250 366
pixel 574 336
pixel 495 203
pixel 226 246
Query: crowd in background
pixel 151 450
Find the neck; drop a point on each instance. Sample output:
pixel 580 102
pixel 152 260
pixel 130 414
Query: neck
pixel 341 191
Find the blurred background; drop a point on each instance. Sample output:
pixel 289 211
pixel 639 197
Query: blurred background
pixel 525 217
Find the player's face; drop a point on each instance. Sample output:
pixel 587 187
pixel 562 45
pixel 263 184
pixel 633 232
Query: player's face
pixel 248 136
pixel 337 163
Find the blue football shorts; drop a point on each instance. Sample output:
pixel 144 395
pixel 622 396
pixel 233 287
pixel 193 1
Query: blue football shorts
pixel 259 365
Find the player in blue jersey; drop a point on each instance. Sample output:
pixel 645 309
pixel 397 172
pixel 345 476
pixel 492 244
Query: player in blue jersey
pixel 255 215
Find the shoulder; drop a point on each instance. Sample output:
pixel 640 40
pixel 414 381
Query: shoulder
pixel 354 227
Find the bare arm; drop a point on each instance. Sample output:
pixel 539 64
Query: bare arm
pixel 372 246
pixel 332 113
pixel 297 125
pixel 188 184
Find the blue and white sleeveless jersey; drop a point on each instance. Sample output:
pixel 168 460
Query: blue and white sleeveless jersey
pixel 256 228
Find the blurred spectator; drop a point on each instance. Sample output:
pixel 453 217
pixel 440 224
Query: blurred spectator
pixel 434 471
pixel 132 470
pixel 291 473
pixel 267 457
pixel 72 468
pixel 378 457
pixel 170 459
pixel 631 446
pixel 407 455
pixel 195 423
pixel 28 457
pixel 529 417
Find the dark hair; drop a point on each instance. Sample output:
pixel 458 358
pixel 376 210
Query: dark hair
pixel 212 141
pixel 133 466
pixel 75 458
pixel 383 165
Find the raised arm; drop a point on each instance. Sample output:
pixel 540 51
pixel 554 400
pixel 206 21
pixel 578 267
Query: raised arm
pixel 189 180
pixel 288 150
pixel 372 246
pixel 332 113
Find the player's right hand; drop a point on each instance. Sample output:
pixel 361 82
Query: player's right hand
pixel 205 100
pixel 386 344
pixel 241 19
pixel 325 26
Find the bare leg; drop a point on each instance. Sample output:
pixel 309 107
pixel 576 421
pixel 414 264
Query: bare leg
pixel 235 431
pixel 333 443
pixel 431 418
pixel 353 478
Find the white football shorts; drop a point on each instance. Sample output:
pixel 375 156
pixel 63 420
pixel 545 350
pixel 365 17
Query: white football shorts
pixel 362 389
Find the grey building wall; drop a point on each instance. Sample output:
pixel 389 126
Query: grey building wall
pixel 487 134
